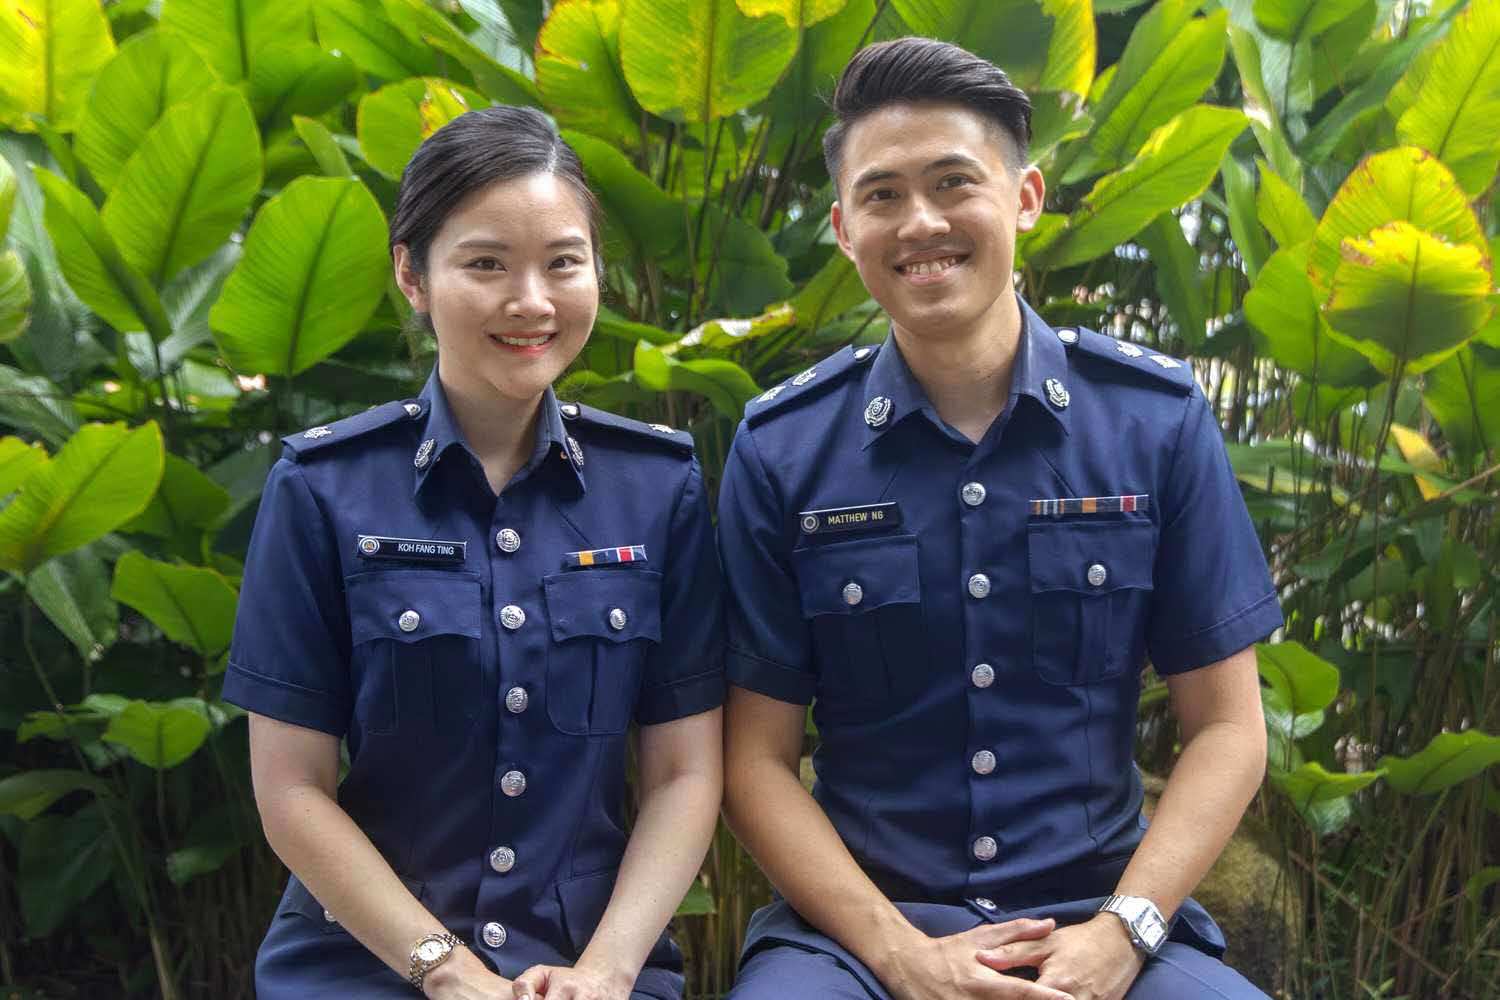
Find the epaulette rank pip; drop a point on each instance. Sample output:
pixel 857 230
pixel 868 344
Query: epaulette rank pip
pixel 328 435
pixel 1171 372
pixel 807 384
pixel 680 441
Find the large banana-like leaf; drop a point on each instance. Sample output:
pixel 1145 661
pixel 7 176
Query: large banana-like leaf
pixel 1404 297
pixel 313 272
pixel 1404 184
pixel 1460 394
pixel 391 123
pixel 833 291
pixel 230 33
pixel 17 459
pixel 724 383
pixel 822 55
pixel 92 263
pixel 160 736
pixel 639 218
pixel 1283 212
pixel 1449 100
pixel 1305 681
pixel 152 71
pixel 578 71
pixel 15 296
pixel 72 590
pixel 298 78
pixel 1282 309
pixel 800 14
pixel 1174 166
pixel 188 186
pixel 8 187
pixel 190 604
pixel 701 60
pixel 1297 20
pixel 1449 759
pixel 104 476
pixel 50 52
pixel 1015 34
pixel 1311 784
pixel 427 27
pixel 1178 277
pixel 1073 53
pixel 362 32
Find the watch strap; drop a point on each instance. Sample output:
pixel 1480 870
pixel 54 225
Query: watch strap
pixel 1143 921
pixel 417 971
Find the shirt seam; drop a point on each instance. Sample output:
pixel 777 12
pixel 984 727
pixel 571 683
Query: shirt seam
pixel 278 682
pixel 1221 622
pixel 731 650
pixel 697 678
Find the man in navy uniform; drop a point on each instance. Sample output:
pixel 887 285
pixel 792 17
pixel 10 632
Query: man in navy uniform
pixel 962 547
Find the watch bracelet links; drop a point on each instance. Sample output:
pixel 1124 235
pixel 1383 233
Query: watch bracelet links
pixel 416 973
pixel 1108 906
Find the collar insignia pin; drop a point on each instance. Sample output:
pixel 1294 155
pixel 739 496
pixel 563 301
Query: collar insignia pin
pixel 878 411
pixel 1057 395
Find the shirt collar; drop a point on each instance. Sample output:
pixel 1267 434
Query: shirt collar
pixel 892 392
pixel 442 432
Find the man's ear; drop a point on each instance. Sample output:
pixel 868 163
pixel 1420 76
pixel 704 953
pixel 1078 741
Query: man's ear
pixel 1033 196
pixel 836 218
pixel 409 279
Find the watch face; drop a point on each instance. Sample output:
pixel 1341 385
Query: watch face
pixel 430 951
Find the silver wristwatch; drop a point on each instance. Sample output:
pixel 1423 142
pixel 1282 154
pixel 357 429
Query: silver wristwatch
pixel 1147 927
pixel 430 951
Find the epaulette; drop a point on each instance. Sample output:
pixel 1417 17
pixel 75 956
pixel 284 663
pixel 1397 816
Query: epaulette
pixel 809 384
pixel 328 435
pixel 680 441
pixel 1169 372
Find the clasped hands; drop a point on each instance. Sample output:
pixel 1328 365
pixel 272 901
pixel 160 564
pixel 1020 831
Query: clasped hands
pixel 465 977
pixel 1088 961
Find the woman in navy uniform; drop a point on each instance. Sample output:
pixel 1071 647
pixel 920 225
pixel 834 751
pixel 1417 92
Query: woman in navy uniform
pixel 965 570
pixel 480 589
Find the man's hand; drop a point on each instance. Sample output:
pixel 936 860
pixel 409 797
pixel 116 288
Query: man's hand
pixel 944 968
pixel 555 982
pixel 1091 961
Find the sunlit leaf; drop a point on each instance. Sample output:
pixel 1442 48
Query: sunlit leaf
pixel 72 590
pixel 1311 783
pixel 833 291
pixel 1416 450
pixel 824 51
pixel 578 71
pixel 15 296
pixel 362 32
pixel 1283 212
pixel 1450 758
pixel 1298 20
pixel 298 78
pixel 428 27
pixel 50 52
pixel 717 334
pixel 797 13
pixel 229 34
pixel 320 142
pixel 1282 309
pixel 1306 682
pixel 190 604
pixel 725 384
pixel 389 121
pixel 160 736
pixel 17 459
pixel 29 793
pixel 1016 34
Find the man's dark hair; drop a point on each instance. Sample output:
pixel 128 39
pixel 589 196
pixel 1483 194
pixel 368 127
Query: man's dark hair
pixel 922 70
pixel 468 154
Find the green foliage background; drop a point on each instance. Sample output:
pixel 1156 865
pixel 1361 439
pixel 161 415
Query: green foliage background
pixel 1294 194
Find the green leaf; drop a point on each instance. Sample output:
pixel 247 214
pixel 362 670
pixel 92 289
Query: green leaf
pixel 93 265
pixel 188 186
pixel 578 71
pixel 9 185
pixel 1239 191
pixel 1460 394
pixel 1298 20
pixel 50 52
pixel 152 71
pixel 160 735
pixel 1405 297
pixel 1177 273
pixel 611 324
pixel 390 124
pixel 718 334
pixel 1072 52
pixel 17 459
pixel 186 501
pixel 747 274
pixel 698 902
pixel 1449 759
pixel 423 25
pixel 1311 784
pixel 15 296
pixel 1016 34
pixel 1283 212
pixel 798 99
pixel 833 291
pixel 797 13
pixel 64 859
pixel 1306 682
pixel 298 78
pixel 34 404
pixel 324 148
pixel 211 843
pixel 1139 100
pixel 73 592
pixel 191 605
pixel 725 384
pixel 30 793
pixel 103 477
pixel 1481 880
pixel 363 33
pixel 1449 100
pixel 1398 185
pixel 1282 309
pixel 230 34
pixel 644 220
pixel 700 60
pixel 313 272
pixel 1172 168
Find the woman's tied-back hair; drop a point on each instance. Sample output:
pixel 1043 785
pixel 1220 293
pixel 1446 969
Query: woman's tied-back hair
pixel 467 155
pixel 921 70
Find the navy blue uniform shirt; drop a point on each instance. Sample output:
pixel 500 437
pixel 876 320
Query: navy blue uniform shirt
pixel 970 621
pixel 484 658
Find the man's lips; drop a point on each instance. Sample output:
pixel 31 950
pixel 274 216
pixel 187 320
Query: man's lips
pixel 929 265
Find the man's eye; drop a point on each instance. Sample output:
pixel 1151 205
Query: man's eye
pixel 953 181
pixel 882 194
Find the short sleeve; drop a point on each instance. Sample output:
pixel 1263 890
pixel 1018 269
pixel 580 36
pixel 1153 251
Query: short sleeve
pixel 684 674
pixel 770 646
pixel 290 654
pixel 1213 594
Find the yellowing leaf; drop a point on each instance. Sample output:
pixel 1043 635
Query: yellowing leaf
pixel 1418 453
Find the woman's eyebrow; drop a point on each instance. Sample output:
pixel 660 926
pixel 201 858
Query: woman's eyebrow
pixel 558 244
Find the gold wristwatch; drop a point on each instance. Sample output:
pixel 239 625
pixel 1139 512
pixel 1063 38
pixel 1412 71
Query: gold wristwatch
pixel 430 951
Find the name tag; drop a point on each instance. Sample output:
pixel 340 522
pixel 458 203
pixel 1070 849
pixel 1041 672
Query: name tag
pixel 425 550
pixel 861 518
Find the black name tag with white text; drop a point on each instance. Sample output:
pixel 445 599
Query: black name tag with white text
pixel 863 517
pixel 424 550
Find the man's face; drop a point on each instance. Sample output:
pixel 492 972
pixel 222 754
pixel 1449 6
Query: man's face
pixel 928 210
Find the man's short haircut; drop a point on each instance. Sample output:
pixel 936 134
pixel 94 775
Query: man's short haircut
pixel 917 70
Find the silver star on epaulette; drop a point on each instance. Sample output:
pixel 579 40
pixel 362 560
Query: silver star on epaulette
pixel 317 432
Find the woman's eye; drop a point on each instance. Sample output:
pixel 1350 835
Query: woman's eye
pixel 566 261
pixel 485 264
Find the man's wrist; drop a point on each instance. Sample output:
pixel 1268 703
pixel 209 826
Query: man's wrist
pixel 616 973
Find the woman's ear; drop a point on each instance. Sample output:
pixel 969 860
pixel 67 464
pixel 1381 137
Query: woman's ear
pixel 409 279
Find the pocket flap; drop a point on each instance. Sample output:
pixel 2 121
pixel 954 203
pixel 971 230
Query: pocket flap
pixel 1090 557
pixel 441 603
pixel 614 604
pixel 882 570
pixel 583 903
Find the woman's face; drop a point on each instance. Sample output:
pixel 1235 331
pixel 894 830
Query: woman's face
pixel 510 287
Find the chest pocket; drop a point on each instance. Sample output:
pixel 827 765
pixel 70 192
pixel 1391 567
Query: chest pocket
pixel 1090 597
pixel 863 600
pixel 416 651
pixel 603 621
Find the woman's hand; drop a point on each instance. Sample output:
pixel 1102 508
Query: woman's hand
pixel 580 982
pixel 465 977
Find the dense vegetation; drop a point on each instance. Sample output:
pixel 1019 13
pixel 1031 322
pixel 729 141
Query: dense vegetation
pixel 1294 194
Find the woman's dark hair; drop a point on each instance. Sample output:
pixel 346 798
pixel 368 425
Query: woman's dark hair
pixel 471 152
pixel 912 70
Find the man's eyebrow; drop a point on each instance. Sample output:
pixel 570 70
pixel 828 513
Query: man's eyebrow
pixel 481 244
pixel 876 174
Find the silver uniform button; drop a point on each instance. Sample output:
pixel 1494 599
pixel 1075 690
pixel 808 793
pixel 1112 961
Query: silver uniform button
pixel 985 848
pixel 493 934
pixel 984 904
pixel 516 700
pixel 508 539
pixel 409 621
pixel 569 410
pixel 863 352
pixel 1097 575
pixel 983 762
pixel 973 494
pixel 1067 336
pixel 617 619
pixel 502 859
pixel 853 593
pixel 413 410
pixel 979 586
pixel 982 675
pixel 513 783
pixel 328 916
pixel 512 617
